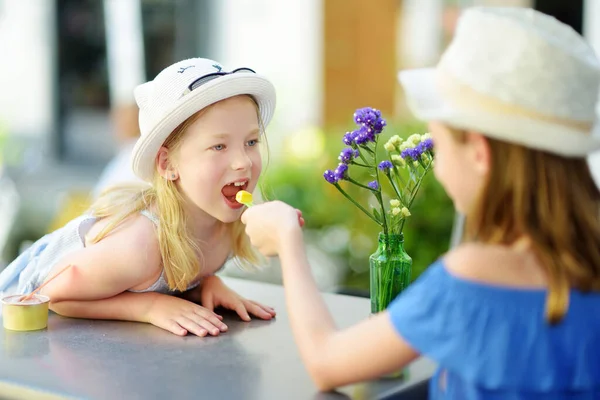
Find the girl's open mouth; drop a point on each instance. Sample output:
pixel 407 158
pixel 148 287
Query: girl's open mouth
pixel 230 190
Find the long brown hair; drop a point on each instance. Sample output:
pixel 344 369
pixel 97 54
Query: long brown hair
pixel 182 258
pixel 551 200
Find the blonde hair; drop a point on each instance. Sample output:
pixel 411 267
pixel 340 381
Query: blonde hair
pixel 182 259
pixel 553 201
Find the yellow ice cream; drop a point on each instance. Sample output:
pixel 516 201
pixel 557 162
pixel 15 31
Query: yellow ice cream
pixel 244 197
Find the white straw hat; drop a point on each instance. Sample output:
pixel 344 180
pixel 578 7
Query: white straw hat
pixel 516 75
pixel 182 89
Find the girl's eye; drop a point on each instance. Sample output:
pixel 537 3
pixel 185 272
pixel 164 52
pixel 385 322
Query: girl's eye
pixel 219 147
pixel 252 142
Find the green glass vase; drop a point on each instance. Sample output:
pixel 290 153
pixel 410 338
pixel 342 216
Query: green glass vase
pixel 390 271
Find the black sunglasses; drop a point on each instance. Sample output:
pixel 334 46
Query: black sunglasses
pixel 214 75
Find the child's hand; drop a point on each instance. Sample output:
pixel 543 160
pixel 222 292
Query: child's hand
pixel 270 224
pixel 180 316
pixel 215 293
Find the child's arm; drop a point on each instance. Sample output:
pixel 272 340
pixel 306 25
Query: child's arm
pixel 126 258
pixel 376 347
pixel 333 357
pixel 126 306
pixel 129 257
pixel 167 312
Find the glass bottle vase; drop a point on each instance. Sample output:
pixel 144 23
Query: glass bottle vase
pixel 390 270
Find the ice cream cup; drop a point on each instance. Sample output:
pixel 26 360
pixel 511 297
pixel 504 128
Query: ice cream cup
pixel 27 315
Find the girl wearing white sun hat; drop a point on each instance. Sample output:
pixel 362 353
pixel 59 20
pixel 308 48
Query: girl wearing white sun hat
pixel 514 312
pixel 200 125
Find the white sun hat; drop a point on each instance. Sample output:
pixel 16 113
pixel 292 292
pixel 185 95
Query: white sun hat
pixel 181 90
pixel 516 75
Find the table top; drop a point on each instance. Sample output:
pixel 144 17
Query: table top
pixel 76 358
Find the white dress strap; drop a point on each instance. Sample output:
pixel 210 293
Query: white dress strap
pixel 150 215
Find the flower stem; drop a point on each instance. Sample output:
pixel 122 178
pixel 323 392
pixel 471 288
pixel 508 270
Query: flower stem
pixel 368 149
pixel 360 184
pixel 378 194
pixel 360 154
pixel 362 165
pixel 413 192
pixel 395 188
pixel 368 214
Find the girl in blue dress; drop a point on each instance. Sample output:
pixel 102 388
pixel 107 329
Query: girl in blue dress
pixel 514 311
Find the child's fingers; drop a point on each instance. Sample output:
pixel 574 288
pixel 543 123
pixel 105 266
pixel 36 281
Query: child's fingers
pixel 173 327
pixel 258 310
pixel 207 302
pixel 195 323
pixel 268 309
pixel 212 318
pixel 300 218
pixel 240 309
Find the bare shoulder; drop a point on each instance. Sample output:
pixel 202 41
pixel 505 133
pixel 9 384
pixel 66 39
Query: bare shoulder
pixel 492 264
pixel 133 246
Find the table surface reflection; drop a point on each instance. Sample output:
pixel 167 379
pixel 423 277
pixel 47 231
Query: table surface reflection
pixel 87 359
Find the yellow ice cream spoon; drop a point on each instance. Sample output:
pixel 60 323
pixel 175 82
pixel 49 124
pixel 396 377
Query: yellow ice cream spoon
pixel 244 198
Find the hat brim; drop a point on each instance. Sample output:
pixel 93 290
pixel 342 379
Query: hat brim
pixel 427 103
pixel 144 153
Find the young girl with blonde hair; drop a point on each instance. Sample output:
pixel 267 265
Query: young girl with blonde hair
pixel 139 245
pixel 514 311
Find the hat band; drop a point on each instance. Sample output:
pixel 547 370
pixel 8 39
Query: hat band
pixel 464 97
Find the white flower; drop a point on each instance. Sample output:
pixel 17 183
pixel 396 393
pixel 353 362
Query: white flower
pixel 405 212
pixel 395 203
pixel 396 140
pixel 406 145
pixel 398 160
pixel 396 211
pixel 389 146
pixel 425 136
pixel 416 163
pixel 414 139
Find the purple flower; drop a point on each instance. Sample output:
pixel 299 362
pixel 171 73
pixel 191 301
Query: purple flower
pixel 356 153
pixel 346 155
pixel 341 172
pixel 330 177
pixel 385 166
pixel 365 116
pixel 378 125
pixel 363 135
pixel 414 153
pixel 348 138
pixel 427 144
pixel 373 185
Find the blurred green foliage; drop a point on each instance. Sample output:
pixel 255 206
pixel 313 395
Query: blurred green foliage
pixel 346 232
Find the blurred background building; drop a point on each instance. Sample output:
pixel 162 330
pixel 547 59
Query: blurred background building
pixel 66 104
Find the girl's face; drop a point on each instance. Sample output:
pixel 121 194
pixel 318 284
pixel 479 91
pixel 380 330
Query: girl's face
pixel 219 155
pixel 461 165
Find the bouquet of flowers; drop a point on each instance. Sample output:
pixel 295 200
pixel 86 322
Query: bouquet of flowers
pixel 406 163
pixel 402 169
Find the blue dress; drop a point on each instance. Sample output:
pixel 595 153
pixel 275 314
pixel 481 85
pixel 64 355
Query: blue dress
pixel 493 342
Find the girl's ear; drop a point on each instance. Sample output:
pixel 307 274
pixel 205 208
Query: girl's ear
pixel 479 152
pixel 163 165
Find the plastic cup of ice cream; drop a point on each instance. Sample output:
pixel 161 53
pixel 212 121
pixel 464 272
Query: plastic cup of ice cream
pixel 26 315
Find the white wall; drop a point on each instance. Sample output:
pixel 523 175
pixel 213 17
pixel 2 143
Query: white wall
pixel 282 40
pixel 26 70
pixel 420 36
pixel 125 49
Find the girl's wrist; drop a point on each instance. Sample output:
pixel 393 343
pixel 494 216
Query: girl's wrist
pixel 291 243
